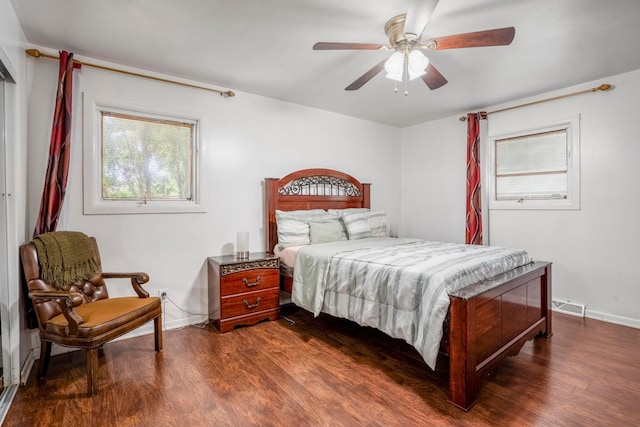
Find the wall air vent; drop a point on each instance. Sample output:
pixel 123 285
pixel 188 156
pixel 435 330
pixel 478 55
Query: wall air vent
pixel 568 307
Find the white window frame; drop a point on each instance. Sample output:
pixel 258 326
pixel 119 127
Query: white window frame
pixel 572 201
pixel 93 106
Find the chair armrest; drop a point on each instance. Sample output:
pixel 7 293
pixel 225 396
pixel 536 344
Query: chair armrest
pixel 64 300
pixel 137 279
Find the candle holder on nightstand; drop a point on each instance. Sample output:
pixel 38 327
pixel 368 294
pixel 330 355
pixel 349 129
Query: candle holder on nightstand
pixel 242 245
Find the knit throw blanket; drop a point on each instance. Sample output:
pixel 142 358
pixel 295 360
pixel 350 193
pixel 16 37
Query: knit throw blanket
pixel 65 257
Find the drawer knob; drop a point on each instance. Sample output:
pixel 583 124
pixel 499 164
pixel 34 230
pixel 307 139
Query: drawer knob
pixel 251 285
pixel 250 306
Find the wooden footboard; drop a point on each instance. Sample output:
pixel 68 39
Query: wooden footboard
pixel 488 326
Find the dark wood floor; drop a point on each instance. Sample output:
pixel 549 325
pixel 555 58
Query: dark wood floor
pixel 329 372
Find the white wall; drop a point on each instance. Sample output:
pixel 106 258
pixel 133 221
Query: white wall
pixel 244 140
pixel 433 172
pixel 594 249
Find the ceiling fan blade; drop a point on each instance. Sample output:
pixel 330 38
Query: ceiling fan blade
pixel 433 78
pixel 360 81
pixel 496 37
pixel 347 46
pixel 418 15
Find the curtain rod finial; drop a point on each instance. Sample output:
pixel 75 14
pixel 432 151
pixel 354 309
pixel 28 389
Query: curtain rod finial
pixel 34 52
pixel 462 118
pixel 603 87
pixel 227 94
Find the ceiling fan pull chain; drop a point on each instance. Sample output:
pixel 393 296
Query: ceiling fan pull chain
pixel 406 73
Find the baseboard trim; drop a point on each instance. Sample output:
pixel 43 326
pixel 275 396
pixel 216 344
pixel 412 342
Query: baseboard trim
pixel 167 325
pixel 612 318
pixel 28 365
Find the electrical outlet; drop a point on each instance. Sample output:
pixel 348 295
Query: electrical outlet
pixel 162 293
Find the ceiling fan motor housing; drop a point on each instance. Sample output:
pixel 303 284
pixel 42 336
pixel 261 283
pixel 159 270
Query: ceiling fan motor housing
pixel 394 28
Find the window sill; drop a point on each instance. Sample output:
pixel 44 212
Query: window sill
pixel 132 208
pixel 524 204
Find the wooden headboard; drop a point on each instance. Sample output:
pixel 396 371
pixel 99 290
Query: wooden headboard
pixel 311 189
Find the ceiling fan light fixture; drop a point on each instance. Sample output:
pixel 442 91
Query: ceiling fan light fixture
pixel 395 67
pixel 417 64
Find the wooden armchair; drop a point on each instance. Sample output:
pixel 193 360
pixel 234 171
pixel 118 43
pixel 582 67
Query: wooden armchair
pixel 82 315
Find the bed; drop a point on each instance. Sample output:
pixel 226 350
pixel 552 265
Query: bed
pixel 484 322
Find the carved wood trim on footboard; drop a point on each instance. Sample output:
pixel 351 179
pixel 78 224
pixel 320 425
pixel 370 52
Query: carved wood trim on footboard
pixel 489 326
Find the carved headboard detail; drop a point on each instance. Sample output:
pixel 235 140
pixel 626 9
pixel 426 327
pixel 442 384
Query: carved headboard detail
pixel 311 189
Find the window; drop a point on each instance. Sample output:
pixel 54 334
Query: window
pixel 140 162
pixel 532 166
pixel 536 169
pixel 145 159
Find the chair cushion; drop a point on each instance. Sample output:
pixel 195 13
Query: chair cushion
pixel 105 315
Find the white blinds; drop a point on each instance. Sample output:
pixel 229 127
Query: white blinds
pixel 532 166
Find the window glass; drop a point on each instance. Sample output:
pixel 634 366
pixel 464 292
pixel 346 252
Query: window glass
pixel 532 166
pixel 145 159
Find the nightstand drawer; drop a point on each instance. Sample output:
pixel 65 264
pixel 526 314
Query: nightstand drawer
pixel 247 303
pixel 249 281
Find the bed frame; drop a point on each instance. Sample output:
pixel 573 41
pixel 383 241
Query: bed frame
pixel 487 321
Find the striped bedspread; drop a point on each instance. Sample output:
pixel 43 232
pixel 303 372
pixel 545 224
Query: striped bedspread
pixel 399 286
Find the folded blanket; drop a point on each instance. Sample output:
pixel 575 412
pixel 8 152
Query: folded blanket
pixel 65 257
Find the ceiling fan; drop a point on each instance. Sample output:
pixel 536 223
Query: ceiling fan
pixel 408 62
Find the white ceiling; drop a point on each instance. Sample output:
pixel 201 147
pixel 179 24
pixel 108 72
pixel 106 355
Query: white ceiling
pixel 265 47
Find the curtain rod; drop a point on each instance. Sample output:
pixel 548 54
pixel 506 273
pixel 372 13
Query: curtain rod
pixel 37 54
pixel 602 87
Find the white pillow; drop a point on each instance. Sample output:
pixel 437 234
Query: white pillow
pixel 326 230
pixel 302 214
pixel 293 227
pixel 292 232
pixel 357 226
pixel 378 222
pixel 347 211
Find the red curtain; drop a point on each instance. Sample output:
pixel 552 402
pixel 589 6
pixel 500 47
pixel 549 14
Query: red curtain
pixel 473 231
pixel 55 182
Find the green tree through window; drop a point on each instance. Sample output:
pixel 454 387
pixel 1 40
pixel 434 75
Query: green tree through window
pixel 146 159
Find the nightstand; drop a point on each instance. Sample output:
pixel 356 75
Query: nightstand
pixel 243 291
